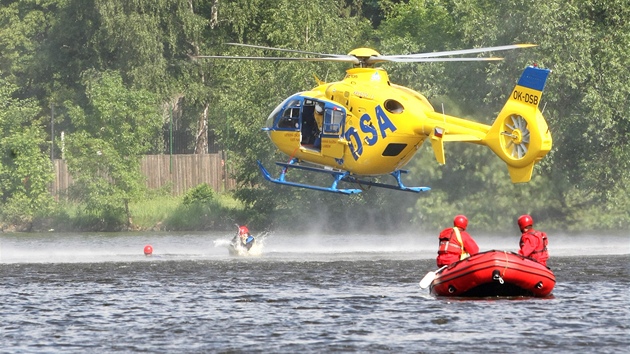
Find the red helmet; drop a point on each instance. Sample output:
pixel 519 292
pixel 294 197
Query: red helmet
pixel 460 221
pixel 525 221
pixel 243 230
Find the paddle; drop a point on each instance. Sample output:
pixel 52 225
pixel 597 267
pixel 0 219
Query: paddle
pixel 426 281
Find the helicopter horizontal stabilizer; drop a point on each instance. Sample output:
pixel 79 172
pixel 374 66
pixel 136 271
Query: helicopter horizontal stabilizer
pixel 439 136
pixel 437 143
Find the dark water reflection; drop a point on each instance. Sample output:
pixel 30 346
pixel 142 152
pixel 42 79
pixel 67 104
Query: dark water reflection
pixel 98 293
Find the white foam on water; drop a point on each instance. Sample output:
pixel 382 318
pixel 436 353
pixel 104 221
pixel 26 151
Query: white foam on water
pixel 108 247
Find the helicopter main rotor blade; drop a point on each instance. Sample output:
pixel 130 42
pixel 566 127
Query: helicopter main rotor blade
pixel 368 59
pixel 285 50
pixel 427 60
pixel 346 58
pixel 459 52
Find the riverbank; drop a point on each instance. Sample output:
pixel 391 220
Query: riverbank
pixel 160 213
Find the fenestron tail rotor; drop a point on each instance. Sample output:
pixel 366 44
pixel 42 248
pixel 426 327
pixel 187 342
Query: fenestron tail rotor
pixel 516 136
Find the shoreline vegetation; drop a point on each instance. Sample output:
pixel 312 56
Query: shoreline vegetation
pixel 198 210
pixel 203 209
pixel 78 83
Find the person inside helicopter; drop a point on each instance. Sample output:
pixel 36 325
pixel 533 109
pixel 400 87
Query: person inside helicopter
pixel 310 128
pixel 319 120
pixel 319 115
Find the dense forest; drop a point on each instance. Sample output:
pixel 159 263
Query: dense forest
pixel 99 82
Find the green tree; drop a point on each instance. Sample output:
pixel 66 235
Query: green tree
pixel 23 26
pixel 113 131
pixel 25 171
pixel 587 44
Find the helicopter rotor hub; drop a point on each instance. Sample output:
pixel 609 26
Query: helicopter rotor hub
pixel 517 134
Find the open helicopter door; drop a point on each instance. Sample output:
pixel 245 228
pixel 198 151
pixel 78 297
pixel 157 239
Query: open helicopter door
pixel 332 143
pixel 321 128
pixel 310 127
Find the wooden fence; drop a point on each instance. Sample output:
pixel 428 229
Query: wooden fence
pixel 181 172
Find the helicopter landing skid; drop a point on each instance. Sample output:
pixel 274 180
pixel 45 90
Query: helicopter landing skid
pixel 338 176
pixel 399 187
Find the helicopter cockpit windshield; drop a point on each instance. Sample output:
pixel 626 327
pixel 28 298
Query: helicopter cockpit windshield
pixel 284 118
pixel 290 118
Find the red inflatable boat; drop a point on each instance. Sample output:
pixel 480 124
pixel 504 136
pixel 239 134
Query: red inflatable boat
pixel 494 273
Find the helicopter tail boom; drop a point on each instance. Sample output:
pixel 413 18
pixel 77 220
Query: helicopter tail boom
pixel 519 135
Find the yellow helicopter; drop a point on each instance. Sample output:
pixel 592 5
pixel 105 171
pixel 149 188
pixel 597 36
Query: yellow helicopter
pixel 365 126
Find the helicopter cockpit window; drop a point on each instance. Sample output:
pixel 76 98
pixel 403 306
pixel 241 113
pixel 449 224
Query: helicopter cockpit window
pixel 332 121
pixel 291 116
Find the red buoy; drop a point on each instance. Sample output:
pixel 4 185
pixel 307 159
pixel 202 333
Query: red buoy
pixel 148 250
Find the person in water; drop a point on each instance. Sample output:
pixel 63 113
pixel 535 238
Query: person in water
pixel 244 237
pixel 455 243
pixel 533 243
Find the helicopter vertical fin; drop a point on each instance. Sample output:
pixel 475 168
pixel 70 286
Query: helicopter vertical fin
pixel 437 143
pixel 520 135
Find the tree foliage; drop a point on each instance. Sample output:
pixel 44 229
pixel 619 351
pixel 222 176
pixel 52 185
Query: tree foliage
pixel 113 131
pixel 25 170
pixel 112 69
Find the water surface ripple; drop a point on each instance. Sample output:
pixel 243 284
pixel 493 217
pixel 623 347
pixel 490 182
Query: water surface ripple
pixel 191 298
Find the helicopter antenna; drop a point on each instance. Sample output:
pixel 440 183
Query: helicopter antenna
pixel 443 113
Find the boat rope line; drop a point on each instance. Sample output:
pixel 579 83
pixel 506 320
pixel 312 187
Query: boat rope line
pixel 497 275
pixel 507 261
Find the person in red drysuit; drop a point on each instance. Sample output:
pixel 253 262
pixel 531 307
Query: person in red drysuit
pixel 455 243
pixel 533 243
pixel 244 238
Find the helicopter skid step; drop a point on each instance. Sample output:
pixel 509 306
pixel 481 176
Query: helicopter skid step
pixel 338 176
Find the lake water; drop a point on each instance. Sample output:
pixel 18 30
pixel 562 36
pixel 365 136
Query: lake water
pixel 98 293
